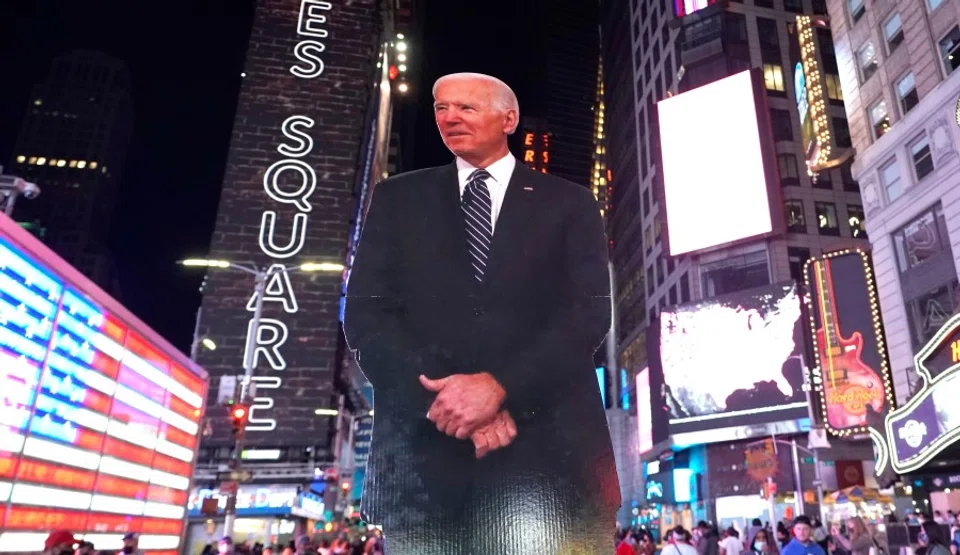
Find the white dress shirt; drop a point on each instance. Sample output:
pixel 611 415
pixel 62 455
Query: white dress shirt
pixel 500 173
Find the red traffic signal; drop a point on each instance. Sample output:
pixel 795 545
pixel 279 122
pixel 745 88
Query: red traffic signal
pixel 345 486
pixel 238 415
pixel 240 412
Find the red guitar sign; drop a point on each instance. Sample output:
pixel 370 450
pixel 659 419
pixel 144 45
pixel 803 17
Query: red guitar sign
pixel 849 385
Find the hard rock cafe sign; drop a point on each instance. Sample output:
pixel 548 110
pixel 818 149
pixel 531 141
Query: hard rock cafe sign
pixel 930 422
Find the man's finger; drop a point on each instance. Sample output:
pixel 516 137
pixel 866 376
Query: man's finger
pixel 503 435
pixel 480 442
pixel 510 425
pixel 463 432
pixel 490 442
pixel 432 385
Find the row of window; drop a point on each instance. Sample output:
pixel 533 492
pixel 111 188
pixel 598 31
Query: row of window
pixel 58 162
pixel 826 218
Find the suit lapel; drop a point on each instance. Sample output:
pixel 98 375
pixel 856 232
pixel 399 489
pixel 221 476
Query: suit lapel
pixel 455 237
pixel 512 222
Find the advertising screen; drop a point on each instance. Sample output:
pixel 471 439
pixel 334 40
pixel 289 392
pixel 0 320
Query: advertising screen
pixel 714 177
pixel 734 360
pixel 687 7
pixel 851 371
pixel 99 416
pixel 644 412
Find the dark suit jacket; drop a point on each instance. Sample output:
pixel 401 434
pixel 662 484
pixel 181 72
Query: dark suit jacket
pixel 413 306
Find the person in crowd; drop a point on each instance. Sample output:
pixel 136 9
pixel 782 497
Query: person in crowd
pixel 60 542
pixel 933 539
pixel 707 539
pixel 802 542
pixel 730 544
pixel 267 550
pixel 304 546
pixel 820 534
pixel 627 545
pixel 324 548
pixel 131 544
pixel 225 546
pixel 679 542
pixel 208 549
pixel 85 548
pixel 858 539
pixel 645 544
pixel 783 535
pixel 755 526
pixel 763 544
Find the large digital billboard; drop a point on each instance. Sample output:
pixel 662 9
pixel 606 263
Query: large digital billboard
pixel 99 416
pixel 644 412
pixel 714 143
pixel 734 360
pixel 851 372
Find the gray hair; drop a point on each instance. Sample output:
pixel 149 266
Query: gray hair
pixel 505 99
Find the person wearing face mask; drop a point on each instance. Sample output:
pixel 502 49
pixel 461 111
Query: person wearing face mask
pixel 762 545
pixel 60 542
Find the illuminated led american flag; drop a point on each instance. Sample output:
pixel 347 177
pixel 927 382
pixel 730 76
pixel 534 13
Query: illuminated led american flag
pixel 98 424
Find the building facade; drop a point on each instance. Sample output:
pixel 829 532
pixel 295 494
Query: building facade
pixel 897 63
pixel 73 144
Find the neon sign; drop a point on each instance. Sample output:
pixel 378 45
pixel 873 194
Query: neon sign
pixel 930 422
pixel 536 150
pixel 272 333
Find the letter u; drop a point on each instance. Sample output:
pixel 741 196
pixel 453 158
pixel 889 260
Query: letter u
pixel 268 228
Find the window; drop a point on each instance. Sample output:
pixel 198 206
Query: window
pixel 879 119
pixel 931 310
pixel 855 220
pixel 780 120
pixel 769 34
pixel 671 266
pixel 907 93
pixel 795 6
pixel 763 3
pixel 841 132
pixel 893 31
pixel 735 274
pixel 735 28
pixel 788 170
pixel 920 240
pixel 834 91
pixel 646 201
pixel 793 210
pixel 684 288
pixel 819 7
pixel 867 57
pixel 922 159
pixel 797 257
pixel 857 9
pixel 950 50
pixel 650 283
pixel 826 218
pixel 849 183
pixel 673 294
pixel 773 77
pixel 890 177
pixel 661 271
pixel 648 239
pixel 934 4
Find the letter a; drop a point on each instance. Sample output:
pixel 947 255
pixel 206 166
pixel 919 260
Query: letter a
pixel 278 289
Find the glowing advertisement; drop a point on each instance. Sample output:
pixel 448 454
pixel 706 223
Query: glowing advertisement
pixel 734 359
pixel 726 189
pixel 811 100
pixel 687 7
pixel 602 383
pixel 644 413
pixel 930 422
pixel 850 374
pixel 99 416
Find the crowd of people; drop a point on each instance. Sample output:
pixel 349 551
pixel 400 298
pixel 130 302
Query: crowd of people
pixel 938 535
pixel 343 544
pixel 63 542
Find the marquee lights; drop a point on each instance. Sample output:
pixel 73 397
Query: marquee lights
pixel 877 330
pixel 815 97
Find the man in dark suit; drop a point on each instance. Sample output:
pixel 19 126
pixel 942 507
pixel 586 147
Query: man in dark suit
pixel 477 299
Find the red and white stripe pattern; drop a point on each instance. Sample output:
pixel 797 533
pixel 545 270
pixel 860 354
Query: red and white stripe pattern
pixel 98 428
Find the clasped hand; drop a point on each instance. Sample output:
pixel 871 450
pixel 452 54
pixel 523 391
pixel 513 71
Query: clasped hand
pixel 468 406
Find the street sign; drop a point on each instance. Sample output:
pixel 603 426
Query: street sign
pixel 210 507
pixel 229 487
pixel 241 476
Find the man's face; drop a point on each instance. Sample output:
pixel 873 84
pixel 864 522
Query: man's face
pixel 130 545
pixel 470 123
pixel 802 532
pixel 224 547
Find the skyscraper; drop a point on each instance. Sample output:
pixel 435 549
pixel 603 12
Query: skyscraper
pixel 898 66
pixel 73 144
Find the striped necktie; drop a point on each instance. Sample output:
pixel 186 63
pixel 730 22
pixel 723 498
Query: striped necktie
pixel 477 214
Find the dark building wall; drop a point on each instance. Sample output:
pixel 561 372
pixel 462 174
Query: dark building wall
pixel 331 106
pixel 570 45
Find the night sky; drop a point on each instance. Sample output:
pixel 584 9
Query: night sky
pixel 185 58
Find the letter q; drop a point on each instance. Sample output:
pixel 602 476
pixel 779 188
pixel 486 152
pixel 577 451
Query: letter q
pixel 298 197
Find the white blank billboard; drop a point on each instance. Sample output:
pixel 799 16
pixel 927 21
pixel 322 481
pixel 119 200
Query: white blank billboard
pixel 715 185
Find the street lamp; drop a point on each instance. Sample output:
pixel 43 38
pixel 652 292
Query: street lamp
pixel 261 277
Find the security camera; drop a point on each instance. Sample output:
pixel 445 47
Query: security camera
pixel 30 190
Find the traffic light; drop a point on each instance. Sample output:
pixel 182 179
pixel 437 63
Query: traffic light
pixel 238 416
pixel 345 486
